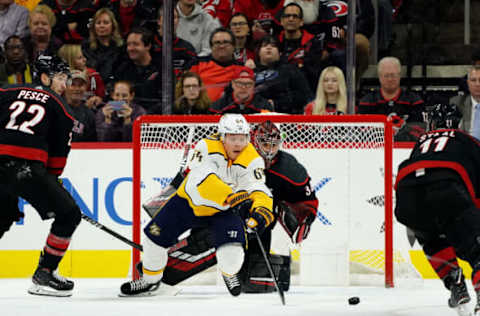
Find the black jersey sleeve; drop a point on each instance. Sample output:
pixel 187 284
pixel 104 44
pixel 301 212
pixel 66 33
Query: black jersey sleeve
pixel 59 138
pixel 289 181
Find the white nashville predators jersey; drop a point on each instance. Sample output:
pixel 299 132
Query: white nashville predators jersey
pixel 213 177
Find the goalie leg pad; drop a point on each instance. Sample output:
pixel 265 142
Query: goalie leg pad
pixel 256 277
pixel 230 258
pixel 154 260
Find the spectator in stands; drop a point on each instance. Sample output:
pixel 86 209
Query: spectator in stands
pixel 391 98
pixel 365 26
pixel 184 55
pixel 190 95
pixel 15 70
pixel 73 55
pixel 301 48
pixel 73 17
pixel 13 20
pixel 217 71
pixel 220 9
pixel 84 129
pixel 41 39
pixel 331 95
pixel 282 84
pixel 114 121
pixel 475 60
pixel 139 68
pixel 195 26
pixel 469 103
pixel 320 20
pixel 258 9
pixel 242 98
pixel 127 13
pixel 243 43
pixel 104 45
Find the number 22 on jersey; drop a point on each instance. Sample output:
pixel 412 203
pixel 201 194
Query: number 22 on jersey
pixel 19 107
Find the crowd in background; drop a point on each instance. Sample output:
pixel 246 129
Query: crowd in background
pixel 229 56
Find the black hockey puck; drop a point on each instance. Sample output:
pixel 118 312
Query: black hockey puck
pixel 354 300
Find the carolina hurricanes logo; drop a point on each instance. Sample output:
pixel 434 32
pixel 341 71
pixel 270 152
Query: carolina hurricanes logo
pixel 339 7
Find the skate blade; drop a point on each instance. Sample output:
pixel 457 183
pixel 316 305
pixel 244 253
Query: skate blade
pixel 464 310
pixel 163 290
pixel 36 289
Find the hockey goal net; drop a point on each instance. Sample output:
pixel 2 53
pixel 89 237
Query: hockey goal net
pixel 349 159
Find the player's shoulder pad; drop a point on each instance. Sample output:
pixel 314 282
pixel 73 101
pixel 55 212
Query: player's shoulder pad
pixel 246 157
pixel 288 168
pixel 215 146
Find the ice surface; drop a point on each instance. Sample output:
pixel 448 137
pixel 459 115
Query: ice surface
pixel 99 297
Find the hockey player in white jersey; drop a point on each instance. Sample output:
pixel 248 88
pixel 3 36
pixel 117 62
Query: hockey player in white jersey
pixel 226 173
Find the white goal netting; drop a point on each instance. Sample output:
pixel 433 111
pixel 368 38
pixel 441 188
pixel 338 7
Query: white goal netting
pixel 349 159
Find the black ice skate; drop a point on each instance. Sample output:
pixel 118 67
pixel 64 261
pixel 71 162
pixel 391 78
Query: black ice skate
pixel 233 284
pixel 459 297
pixel 139 287
pixel 49 283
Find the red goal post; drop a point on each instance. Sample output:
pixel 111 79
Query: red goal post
pixel 162 134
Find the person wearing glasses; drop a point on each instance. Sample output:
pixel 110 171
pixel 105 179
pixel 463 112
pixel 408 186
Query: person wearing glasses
pixel 391 99
pixel 218 69
pixel 15 70
pixel 243 40
pixel 301 48
pixel 190 95
pixel 242 98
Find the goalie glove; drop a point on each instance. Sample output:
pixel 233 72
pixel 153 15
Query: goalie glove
pixel 296 219
pixel 260 218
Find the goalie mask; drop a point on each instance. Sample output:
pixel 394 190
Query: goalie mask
pixel 443 116
pixel 267 138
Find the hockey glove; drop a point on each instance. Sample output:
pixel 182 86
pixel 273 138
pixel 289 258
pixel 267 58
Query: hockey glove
pixel 242 209
pixel 296 219
pixel 260 218
pixel 236 198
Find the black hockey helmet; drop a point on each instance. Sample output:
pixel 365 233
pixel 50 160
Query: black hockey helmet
pixel 443 116
pixel 266 137
pixel 50 65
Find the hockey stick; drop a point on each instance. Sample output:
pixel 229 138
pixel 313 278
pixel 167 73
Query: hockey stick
pixel 269 266
pixel 111 232
pixel 154 204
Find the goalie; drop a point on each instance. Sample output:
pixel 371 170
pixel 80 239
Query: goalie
pixel 225 173
pixel 295 204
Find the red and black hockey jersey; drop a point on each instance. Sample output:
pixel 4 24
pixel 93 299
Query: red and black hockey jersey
pixel 35 125
pixel 289 181
pixel 404 103
pixel 450 149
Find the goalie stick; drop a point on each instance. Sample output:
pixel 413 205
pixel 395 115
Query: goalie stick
pixel 111 232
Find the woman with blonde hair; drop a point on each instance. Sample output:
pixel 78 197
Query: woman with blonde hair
pixel 331 97
pixel 190 95
pixel 73 55
pixel 41 40
pixel 103 47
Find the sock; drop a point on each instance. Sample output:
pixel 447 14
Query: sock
pixel 53 252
